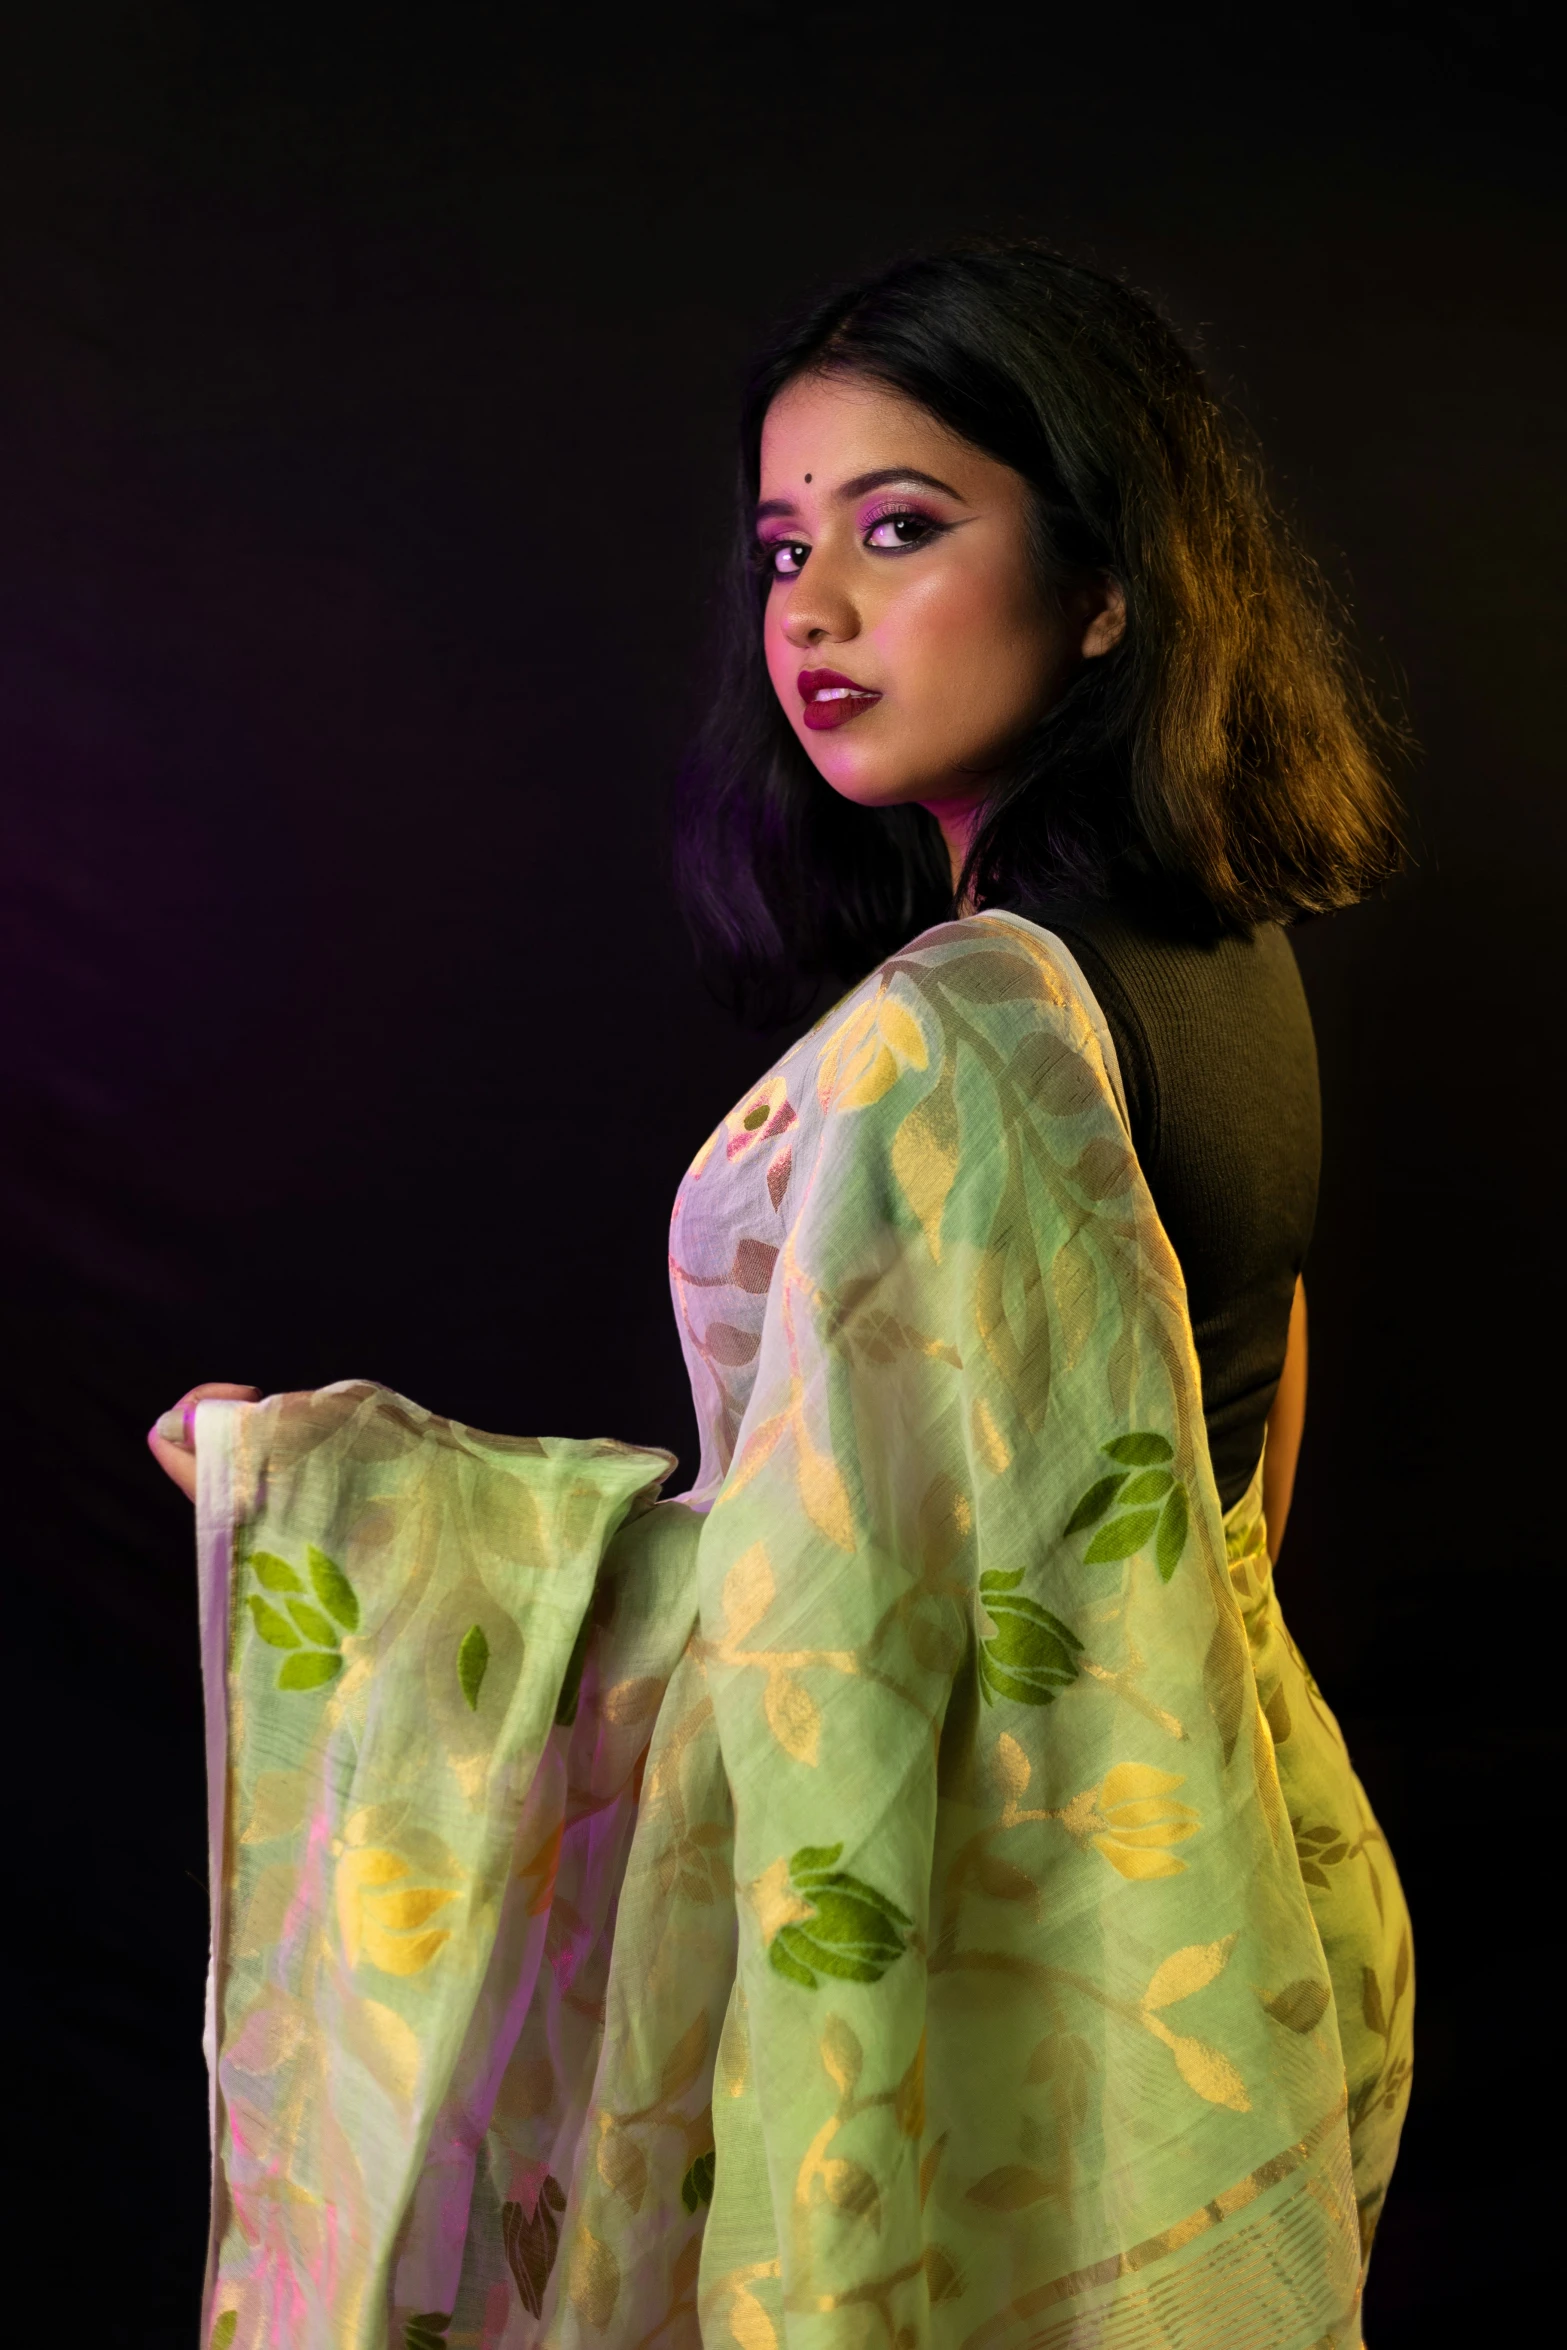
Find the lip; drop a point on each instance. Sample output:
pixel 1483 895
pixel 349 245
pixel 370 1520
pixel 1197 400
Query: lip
pixel 831 699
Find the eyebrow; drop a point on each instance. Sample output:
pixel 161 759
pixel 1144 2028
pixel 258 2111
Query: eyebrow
pixel 861 483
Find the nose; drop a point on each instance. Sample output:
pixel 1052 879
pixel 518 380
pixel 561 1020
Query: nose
pixel 819 609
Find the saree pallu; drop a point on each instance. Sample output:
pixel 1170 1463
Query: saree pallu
pixel 908 1892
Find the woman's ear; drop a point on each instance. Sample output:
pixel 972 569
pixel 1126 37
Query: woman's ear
pixel 1104 613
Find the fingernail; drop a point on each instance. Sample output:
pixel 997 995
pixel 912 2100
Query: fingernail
pixel 173 1428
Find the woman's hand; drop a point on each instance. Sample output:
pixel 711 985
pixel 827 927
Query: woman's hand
pixel 172 1438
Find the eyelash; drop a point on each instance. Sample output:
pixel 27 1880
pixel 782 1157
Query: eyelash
pixel 769 550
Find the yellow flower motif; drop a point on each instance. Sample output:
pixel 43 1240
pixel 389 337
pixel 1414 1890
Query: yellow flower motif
pixel 925 1161
pixel 866 1054
pixel 775 1900
pixel 380 1913
pixel 1131 1821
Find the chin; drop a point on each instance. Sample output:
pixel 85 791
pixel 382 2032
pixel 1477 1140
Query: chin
pixel 868 782
pixel 871 791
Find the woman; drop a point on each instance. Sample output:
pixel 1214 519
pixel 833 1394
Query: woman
pixel 911 1888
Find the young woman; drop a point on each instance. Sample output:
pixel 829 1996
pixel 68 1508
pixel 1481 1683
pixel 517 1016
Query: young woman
pixel 910 1889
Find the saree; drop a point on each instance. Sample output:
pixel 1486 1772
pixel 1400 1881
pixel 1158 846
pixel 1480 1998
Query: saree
pixel 907 1891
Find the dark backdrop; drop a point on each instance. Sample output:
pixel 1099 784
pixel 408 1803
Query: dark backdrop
pixel 363 452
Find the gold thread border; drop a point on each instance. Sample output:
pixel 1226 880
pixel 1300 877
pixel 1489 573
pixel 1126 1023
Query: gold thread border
pixel 1174 2238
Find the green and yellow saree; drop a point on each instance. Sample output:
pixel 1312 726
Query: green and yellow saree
pixel 908 1892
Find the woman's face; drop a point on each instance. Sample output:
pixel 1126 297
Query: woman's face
pixel 908 636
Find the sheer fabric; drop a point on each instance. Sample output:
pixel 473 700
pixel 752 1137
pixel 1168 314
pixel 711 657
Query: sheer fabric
pixel 909 1891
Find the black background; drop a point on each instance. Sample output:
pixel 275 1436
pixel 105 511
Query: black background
pixel 363 455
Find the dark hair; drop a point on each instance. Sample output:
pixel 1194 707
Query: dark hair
pixel 1225 752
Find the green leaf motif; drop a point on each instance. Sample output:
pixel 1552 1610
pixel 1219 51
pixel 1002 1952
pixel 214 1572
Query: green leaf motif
pixel 274 1629
pixel 473 1662
pixel 1371 2002
pixel 782 1961
pixel 697 2185
pixel 310 1670
pixel 1172 1533
pixel 855 1933
pixel 273 1574
pixel 1032 1653
pixel 333 1588
pixel 1142 1449
pixel 312 1623
pixel 1095 1502
pixel 1300 2007
pixel 223 2332
pixel 1151 1485
pixel 428 2332
pixel 1120 1538
pixel 1323 1843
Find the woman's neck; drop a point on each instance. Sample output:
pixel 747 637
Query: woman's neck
pixel 958 814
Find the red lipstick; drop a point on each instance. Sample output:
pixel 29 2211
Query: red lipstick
pixel 832 699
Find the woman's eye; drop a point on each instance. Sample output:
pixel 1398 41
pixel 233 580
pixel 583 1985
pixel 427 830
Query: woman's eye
pixel 786 558
pixel 895 531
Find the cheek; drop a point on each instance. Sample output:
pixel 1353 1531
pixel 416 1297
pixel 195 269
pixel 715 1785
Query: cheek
pixel 783 658
pixel 973 626
pixel 978 655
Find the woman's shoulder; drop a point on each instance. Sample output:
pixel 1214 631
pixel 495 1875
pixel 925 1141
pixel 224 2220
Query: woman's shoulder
pixel 1009 988
pixel 989 958
pixel 986 996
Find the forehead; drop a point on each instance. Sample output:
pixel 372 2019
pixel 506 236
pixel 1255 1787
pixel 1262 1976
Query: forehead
pixel 835 426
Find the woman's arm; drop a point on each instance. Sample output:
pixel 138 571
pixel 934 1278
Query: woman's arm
pixel 1286 1426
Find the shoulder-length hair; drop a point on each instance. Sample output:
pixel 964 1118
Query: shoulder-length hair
pixel 1227 750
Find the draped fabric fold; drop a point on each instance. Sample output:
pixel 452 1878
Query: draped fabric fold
pixel 909 1892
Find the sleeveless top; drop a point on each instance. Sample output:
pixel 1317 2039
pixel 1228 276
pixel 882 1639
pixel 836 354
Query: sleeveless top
pixel 1219 1066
